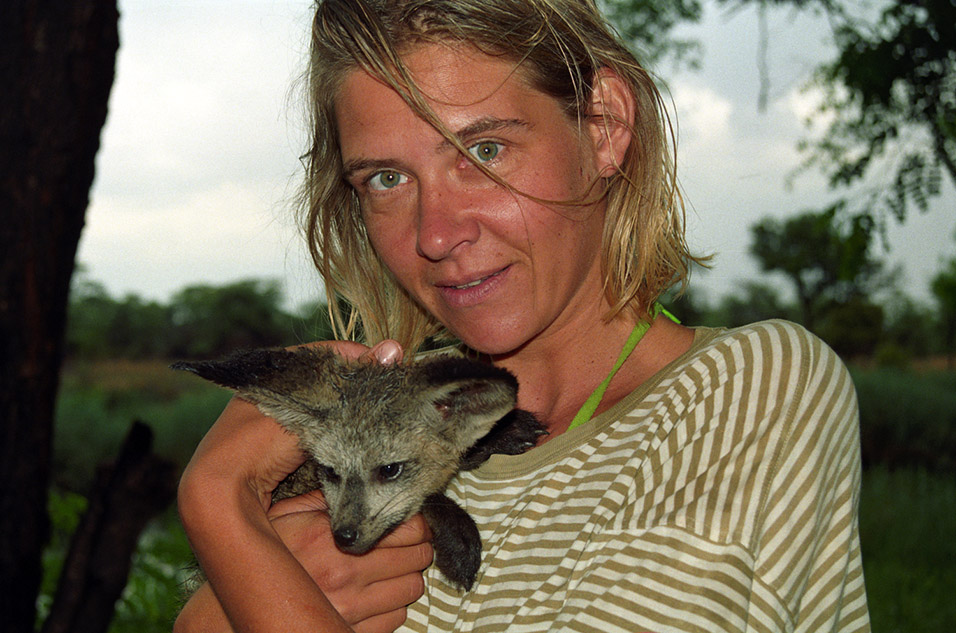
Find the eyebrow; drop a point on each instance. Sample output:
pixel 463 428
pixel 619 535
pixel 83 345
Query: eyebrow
pixel 483 126
pixel 476 128
pixel 352 167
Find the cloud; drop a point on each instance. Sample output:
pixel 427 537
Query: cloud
pixel 704 116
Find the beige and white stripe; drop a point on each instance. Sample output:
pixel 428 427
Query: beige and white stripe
pixel 719 496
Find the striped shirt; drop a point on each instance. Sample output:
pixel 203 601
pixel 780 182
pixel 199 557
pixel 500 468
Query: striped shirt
pixel 721 495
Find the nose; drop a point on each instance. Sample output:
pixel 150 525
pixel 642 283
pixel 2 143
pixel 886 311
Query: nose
pixel 446 219
pixel 345 537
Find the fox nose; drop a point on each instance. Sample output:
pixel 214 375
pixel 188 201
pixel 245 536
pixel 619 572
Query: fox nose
pixel 345 537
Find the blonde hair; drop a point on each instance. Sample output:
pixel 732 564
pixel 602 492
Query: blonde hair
pixel 560 45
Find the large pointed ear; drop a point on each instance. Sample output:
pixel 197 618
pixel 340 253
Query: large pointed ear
pixel 279 381
pixel 611 120
pixel 469 397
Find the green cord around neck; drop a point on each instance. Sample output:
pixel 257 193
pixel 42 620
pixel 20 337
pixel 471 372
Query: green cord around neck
pixel 594 400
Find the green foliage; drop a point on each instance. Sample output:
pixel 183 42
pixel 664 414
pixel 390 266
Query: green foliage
pixel 647 24
pixel 153 594
pixel 853 327
pixel 65 509
pixel 909 554
pixel 891 97
pixel 102 327
pixel 211 320
pixel 200 321
pixel 910 326
pixel 944 289
pixel 826 255
pixel 755 301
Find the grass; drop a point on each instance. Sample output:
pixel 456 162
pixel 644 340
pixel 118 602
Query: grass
pixel 907 530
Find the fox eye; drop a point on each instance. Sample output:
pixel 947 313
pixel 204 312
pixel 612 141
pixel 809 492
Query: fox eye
pixel 329 474
pixel 390 472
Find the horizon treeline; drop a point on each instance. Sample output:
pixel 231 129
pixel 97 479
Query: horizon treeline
pixel 199 321
pixel 205 320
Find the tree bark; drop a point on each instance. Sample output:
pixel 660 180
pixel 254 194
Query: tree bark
pixel 56 69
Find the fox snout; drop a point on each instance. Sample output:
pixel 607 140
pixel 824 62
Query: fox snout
pixel 353 539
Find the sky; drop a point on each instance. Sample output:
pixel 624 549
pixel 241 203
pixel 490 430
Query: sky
pixel 198 168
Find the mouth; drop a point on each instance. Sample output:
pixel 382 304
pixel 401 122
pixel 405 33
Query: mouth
pixel 473 291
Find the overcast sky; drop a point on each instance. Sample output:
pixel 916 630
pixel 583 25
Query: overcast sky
pixel 199 157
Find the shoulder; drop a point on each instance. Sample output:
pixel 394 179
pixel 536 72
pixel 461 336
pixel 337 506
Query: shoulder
pixel 771 371
pixel 772 351
pixel 792 381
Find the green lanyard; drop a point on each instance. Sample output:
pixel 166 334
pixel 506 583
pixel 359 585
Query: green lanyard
pixel 591 404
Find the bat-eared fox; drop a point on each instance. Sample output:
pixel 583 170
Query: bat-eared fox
pixel 382 441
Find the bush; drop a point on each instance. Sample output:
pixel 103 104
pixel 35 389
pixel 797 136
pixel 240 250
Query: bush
pixel 98 402
pixel 907 418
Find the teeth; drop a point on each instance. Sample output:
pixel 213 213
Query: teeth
pixel 470 285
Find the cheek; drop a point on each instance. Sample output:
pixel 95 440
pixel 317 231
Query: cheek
pixel 397 254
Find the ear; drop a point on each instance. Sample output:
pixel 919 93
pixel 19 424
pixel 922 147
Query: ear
pixel 469 398
pixel 611 120
pixel 275 379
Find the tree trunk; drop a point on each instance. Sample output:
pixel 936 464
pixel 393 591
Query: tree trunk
pixel 56 70
pixel 125 496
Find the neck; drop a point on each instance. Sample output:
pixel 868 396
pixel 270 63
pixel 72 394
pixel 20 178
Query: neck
pixel 557 376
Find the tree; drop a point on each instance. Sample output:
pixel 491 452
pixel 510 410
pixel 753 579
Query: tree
pixel 756 301
pixel 211 321
pixel 889 100
pixel 892 92
pixel 56 70
pixel 648 26
pixel 944 289
pixel 825 255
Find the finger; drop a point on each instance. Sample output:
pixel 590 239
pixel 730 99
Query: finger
pixel 391 595
pixel 307 502
pixel 413 531
pixel 347 349
pixel 382 623
pixel 385 562
pixel 387 352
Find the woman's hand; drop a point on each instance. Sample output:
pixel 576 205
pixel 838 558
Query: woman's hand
pixel 371 591
pixel 391 572
pixel 251 552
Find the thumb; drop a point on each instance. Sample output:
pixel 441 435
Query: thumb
pixel 387 352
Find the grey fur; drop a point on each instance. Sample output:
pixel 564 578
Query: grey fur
pixel 383 441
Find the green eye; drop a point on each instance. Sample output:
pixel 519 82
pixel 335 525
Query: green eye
pixel 384 180
pixel 485 150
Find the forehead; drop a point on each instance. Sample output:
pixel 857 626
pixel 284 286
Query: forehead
pixel 459 83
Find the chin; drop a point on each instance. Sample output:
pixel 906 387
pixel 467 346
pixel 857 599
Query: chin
pixel 494 341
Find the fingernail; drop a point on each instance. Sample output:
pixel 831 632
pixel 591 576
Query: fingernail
pixel 388 352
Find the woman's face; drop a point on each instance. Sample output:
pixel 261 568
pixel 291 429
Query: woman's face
pixel 499 269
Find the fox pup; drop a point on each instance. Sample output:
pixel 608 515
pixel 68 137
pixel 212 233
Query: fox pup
pixel 383 441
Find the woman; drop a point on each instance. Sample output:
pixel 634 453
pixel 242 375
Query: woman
pixel 498 172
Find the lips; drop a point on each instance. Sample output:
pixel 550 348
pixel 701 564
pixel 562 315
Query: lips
pixel 473 291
